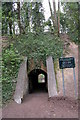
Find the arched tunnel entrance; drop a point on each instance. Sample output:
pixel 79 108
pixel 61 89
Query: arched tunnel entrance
pixel 37 81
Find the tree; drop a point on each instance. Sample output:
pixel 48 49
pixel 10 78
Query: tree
pixel 25 17
pixel 55 17
pixel 37 17
pixel 58 18
pixel 71 19
pixel 7 17
pixel 51 12
pixel 18 15
pixel 49 24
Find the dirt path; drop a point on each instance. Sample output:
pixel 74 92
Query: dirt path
pixel 37 105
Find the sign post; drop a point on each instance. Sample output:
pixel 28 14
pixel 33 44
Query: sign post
pixel 68 62
pixel 75 82
pixel 63 82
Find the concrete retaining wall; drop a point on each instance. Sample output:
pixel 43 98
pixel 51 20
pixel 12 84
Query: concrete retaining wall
pixel 22 83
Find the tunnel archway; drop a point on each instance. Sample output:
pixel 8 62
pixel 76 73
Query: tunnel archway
pixel 37 81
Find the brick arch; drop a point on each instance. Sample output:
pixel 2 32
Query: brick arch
pixel 32 66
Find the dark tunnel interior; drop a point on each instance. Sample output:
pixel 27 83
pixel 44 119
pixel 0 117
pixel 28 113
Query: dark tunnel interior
pixel 37 81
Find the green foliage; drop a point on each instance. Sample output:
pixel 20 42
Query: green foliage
pixel 48 23
pixel 0 13
pixel 7 17
pixel 37 17
pixel 7 91
pixel 63 22
pixel 39 47
pixel 69 20
pixel 25 16
pixel 10 63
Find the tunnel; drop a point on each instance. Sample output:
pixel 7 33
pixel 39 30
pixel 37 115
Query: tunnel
pixel 37 81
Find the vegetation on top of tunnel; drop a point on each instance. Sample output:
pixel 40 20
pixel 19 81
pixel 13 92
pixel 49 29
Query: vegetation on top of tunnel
pixel 39 47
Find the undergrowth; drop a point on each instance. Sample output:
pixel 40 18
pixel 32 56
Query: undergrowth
pixel 10 64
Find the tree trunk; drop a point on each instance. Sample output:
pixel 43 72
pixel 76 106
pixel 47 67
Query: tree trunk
pixel 58 18
pixel 10 27
pixel 51 12
pixel 19 23
pixel 55 17
pixel 13 29
pixel 79 21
